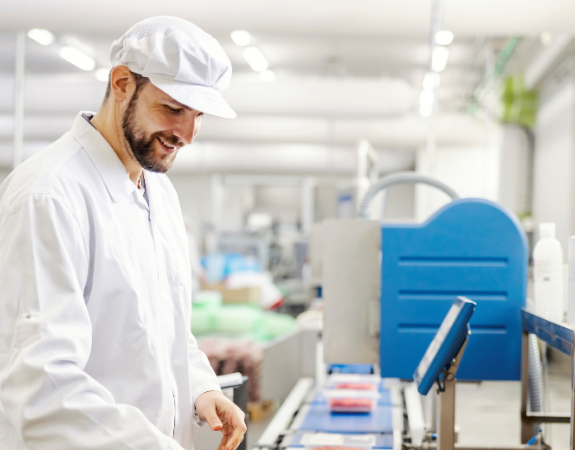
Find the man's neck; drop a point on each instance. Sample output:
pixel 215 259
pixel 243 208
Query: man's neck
pixel 107 122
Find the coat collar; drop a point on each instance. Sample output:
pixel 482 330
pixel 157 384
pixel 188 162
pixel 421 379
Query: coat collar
pixel 104 157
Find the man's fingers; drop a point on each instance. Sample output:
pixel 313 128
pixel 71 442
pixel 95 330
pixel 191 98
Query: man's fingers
pixel 237 437
pixel 223 442
pixel 213 420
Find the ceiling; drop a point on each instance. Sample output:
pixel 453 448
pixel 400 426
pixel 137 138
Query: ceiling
pixel 346 70
pixel 338 18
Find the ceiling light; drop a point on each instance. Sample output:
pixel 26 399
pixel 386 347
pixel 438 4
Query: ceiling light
pixel 76 57
pixel 546 38
pixel 102 75
pixel 439 58
pixel 425 111
pixel 444 37
pixel 255 59
pixel 426 99
pixel 268 76
pixel 41 36
pixel 430 81
pixel 241 38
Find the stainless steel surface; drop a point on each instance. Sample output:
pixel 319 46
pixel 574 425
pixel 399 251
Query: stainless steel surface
pixel 526 426
pixel 446 435
pixel 351 289
pixel 286 360
pixel 281 421
pixel 548 418
pixel 280 370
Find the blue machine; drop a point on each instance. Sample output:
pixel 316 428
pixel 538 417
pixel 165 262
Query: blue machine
pixel 472 248
pixel 445 345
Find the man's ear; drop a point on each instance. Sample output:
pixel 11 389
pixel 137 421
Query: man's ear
pixel 122 83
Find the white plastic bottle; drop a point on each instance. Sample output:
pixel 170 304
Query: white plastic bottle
pixel 548 275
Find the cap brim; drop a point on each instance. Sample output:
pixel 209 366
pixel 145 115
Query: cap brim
pixel 201 98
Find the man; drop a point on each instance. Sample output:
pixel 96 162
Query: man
pixel 95 343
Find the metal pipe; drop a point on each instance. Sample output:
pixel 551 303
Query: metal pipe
pixel 19 74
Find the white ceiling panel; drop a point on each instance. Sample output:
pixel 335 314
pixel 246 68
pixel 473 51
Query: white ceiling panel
pixel 336 17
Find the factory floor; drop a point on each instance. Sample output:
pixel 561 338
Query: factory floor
pixel 488 413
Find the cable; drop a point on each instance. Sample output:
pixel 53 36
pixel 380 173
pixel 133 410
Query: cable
pixel 400 178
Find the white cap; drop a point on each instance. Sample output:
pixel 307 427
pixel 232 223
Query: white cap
pixel 180 59
pixel 547 230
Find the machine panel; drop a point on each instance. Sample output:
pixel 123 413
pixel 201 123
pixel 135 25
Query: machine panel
pixel 472 248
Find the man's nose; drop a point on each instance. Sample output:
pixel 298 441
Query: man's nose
pixel 187 131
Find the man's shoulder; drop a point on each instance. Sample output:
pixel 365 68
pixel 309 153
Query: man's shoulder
pixel 46 172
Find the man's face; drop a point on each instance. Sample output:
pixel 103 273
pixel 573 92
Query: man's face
pixel 156 126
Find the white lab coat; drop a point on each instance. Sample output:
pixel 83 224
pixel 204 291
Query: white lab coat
pixel 95 344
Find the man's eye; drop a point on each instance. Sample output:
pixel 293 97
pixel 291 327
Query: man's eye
pixel 174 109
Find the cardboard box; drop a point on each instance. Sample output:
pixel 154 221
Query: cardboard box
pixel 235 296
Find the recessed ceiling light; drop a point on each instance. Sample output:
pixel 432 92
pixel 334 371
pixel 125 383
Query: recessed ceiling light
pixel 255 59
pixel 41 36
pixel 426 99
pixel 425 111
pixel 102 75
pixel 268 76
pixel 78 58
pixel 444 37
pixel 439 58
pixel 431 81
pixel 241 38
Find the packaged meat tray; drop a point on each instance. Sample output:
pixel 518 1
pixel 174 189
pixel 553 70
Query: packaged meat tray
pixel 354 381
pixel 351 400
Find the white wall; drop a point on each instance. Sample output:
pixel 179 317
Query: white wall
pixel 470 171
pixel 514 179
pixel 554 169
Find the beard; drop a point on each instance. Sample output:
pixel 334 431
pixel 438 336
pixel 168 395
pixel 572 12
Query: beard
pixel 141 145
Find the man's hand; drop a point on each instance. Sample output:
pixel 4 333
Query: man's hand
pixel 222 414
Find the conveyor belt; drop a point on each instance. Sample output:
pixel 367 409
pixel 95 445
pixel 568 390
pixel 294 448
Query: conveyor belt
pixel 319 418
pixel 382 441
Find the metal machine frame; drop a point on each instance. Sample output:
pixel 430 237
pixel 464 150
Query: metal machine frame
pixel 560 337
pixel 446 435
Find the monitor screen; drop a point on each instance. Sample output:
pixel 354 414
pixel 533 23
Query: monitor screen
pixel 445 345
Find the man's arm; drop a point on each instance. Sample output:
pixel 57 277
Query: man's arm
pixel 45 339
pixel 211 405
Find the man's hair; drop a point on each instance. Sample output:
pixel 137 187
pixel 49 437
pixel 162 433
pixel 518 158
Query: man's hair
pixel 140 81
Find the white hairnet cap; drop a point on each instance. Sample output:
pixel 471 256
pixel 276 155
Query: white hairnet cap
pixel 179 58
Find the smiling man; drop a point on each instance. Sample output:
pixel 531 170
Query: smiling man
pixel 95 344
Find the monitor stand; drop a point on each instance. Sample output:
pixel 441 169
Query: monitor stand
pixel 446 435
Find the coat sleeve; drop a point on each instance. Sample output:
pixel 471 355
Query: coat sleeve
pixel 45 339
pixel 203 378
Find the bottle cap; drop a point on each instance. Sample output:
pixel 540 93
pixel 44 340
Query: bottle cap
pixel 547 230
